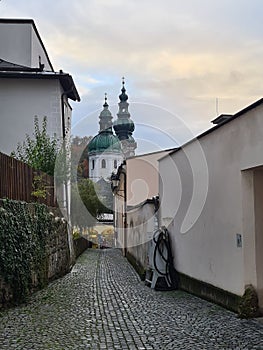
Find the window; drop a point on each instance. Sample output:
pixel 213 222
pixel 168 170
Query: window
pixel 93 164
pixel 103 163
pixel 115 164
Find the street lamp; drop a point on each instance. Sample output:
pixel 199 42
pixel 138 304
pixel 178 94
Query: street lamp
pixel 115 181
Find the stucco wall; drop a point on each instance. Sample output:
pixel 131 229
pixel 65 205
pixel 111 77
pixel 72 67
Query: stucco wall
pixel 141 223
pixel 23 99
pixel 142 177
pixel 203 193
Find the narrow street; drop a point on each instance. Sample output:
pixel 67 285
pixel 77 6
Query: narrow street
pixel 102 304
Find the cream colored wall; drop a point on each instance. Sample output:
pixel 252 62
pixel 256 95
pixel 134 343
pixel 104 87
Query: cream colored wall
pixel 142 177
pixel 204 233
pixel 119 216
pixel 141 225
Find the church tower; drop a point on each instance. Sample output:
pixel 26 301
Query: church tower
pixel 124 126
pixel 105 153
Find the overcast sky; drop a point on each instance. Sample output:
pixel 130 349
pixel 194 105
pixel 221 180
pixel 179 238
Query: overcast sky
pixel 178 57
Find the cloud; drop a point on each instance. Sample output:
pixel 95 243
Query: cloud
pixel 179 56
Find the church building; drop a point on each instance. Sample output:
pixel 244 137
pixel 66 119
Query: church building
pixel 108 150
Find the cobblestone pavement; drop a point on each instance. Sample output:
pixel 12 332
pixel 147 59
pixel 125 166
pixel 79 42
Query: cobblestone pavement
pixel 102 304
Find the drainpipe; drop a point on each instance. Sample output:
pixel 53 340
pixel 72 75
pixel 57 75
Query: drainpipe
pixel 125 209
pixel 65 93
pixel 70 241
pixel 125 225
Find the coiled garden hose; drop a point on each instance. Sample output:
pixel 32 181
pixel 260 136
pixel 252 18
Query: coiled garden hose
pixel 163 247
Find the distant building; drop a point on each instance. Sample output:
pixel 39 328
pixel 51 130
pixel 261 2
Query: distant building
pixel 106 150
pixel 124 126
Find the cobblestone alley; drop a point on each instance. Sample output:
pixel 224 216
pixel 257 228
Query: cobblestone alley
pixel 102 304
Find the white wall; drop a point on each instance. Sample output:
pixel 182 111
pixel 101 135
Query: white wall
pixel 20 101
pixel 36 51
pixel 204 242
pixel 97 172
pixel 20 45
pixel 15 42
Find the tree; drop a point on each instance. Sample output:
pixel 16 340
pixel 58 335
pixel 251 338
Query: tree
pixel 79 157
pixel 85 204
pixel 40 152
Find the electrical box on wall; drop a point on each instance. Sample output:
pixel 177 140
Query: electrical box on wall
pixel 239 240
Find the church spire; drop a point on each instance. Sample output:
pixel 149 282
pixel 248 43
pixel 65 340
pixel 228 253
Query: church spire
pixel 123 97
pixel 124 126
pixel 105 116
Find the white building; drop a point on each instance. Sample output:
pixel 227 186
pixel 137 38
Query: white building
pixel 212 202
pixel 29 86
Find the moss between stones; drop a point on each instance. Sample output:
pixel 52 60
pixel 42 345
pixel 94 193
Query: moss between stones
pixel 137 266
pixel 248 306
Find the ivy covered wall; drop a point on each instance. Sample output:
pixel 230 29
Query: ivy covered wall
pixel 34 249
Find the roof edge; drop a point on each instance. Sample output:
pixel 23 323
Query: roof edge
pixel 217 126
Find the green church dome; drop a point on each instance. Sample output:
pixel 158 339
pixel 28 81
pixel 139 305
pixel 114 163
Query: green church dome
pixel 105 141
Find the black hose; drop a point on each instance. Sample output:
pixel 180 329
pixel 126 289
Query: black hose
pixel 162 244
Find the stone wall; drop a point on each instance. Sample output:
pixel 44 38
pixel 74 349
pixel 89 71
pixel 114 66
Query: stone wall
pixel 54 261
pixel 58 252
pixel 80 245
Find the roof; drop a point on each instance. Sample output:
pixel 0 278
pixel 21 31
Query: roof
pixel 151 153
pixel 10 70
pixel 28 21
pixel 104 141
pixel 7 66
pixel 217 126
pixel 221 118
pixel 65 79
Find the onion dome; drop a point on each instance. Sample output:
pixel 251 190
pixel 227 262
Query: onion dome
pixel 123 128
pixel 105 141
pixel 123 96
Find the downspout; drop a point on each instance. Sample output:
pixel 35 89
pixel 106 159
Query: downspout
pixel 70 241
pixel 125 208
pixel 65 93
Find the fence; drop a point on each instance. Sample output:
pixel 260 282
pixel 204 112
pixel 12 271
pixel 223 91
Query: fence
pixel 18 181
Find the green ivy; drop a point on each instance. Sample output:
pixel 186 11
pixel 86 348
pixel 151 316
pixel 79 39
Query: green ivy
pixel 24 230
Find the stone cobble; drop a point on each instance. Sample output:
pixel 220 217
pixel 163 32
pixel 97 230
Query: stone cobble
pixel 102 304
